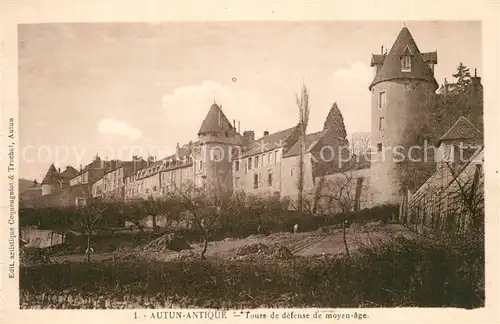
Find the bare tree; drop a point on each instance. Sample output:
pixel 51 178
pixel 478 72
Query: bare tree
pixel 89 217
pixel 341 194
pixel 465 194
pixel 303 105
pixel 360 144
pixel 210 207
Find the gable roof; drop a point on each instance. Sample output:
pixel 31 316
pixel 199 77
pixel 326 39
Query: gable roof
pixel 52 176
pixel 311 141
pixel 391 66
pixel 215 121
pixel 69 173
pixel 461 130
pixel 268 142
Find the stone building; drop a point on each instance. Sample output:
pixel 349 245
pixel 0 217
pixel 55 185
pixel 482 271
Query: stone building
pixel 452 199
pixel 403 90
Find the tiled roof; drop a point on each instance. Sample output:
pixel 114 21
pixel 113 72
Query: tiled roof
pixel 430 57
pixel 52 176
pixel 377 59
pixel 461 130
pixel 311 141
pixel 215 121
pixel 391 66
pixel 268 142
pixel 69 173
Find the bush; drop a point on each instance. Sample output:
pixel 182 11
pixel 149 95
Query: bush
pixel 401 273
pixel 33 255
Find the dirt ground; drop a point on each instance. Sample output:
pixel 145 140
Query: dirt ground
pixel 323 241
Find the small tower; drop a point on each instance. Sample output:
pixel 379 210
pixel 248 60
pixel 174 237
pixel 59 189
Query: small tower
pixel 402 90
pixel 51 181
pixel 459 143
pixel 218 140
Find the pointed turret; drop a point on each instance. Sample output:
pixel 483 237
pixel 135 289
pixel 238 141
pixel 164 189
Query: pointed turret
pixel 215 122
pixel 51 177
pixel 404 61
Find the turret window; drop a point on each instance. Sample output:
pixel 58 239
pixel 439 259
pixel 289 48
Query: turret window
pixel 381 123
pixel 381 100
pixel 406 63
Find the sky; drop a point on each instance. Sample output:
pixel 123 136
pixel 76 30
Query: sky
pixel 126 89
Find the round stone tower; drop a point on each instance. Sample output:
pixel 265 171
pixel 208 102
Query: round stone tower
pixel 219 141
pixel 402 92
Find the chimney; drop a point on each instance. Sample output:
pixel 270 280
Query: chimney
pixel 249 136
pixel 234 124
pixel 59 170
pixel 475 80
pixel 238 126
pixel 266 133
pixel 382 50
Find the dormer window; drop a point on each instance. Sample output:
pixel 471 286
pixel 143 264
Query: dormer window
pixel 406 63
pixel 406 60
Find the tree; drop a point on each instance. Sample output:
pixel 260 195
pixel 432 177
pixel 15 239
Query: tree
pixel 341 194
pixel 465 194
pixel 89 217
pixel 335 122
pixel 303 105
pixel 360 144
pixel 209 207
pixel 462 77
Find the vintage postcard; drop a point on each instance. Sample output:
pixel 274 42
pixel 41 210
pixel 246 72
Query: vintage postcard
pixel 249 162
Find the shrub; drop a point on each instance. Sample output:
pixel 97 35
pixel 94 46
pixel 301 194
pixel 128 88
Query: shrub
pixel 401 273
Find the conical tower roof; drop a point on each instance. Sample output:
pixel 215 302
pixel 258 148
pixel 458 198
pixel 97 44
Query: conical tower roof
pixel 52 176
pixel 215 121
pixel 391 66
pixel 463 129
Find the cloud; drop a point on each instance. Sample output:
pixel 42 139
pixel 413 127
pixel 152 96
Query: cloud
pixel 350 90
pixel 117 127
pixel 186 107
pixel 357 72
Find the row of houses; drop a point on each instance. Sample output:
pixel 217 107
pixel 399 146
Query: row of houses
pixel 267 165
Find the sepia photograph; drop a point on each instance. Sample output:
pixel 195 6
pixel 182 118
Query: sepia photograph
pixel 251 164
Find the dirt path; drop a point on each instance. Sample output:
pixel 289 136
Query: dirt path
pixel 301 244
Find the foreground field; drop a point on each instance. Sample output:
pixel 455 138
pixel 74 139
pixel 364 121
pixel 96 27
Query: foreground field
pixel 400 272
pixel 325 241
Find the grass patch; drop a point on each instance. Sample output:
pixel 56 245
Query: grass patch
pixel 400 273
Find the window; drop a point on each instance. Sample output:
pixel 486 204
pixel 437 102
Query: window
pixel 379 147
pixel 257 161
pixel 272 158
pixel 406 63
pixel 381 123
pixel 154 188
pixel 292 171
pixel 201 165
pixel 264 159
pixel 255 180
pixel 269 162
pixel 276 156
pixel 237 183
pixel 381 100
pixel 249 163
pixel 270 178
pixel 236 165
